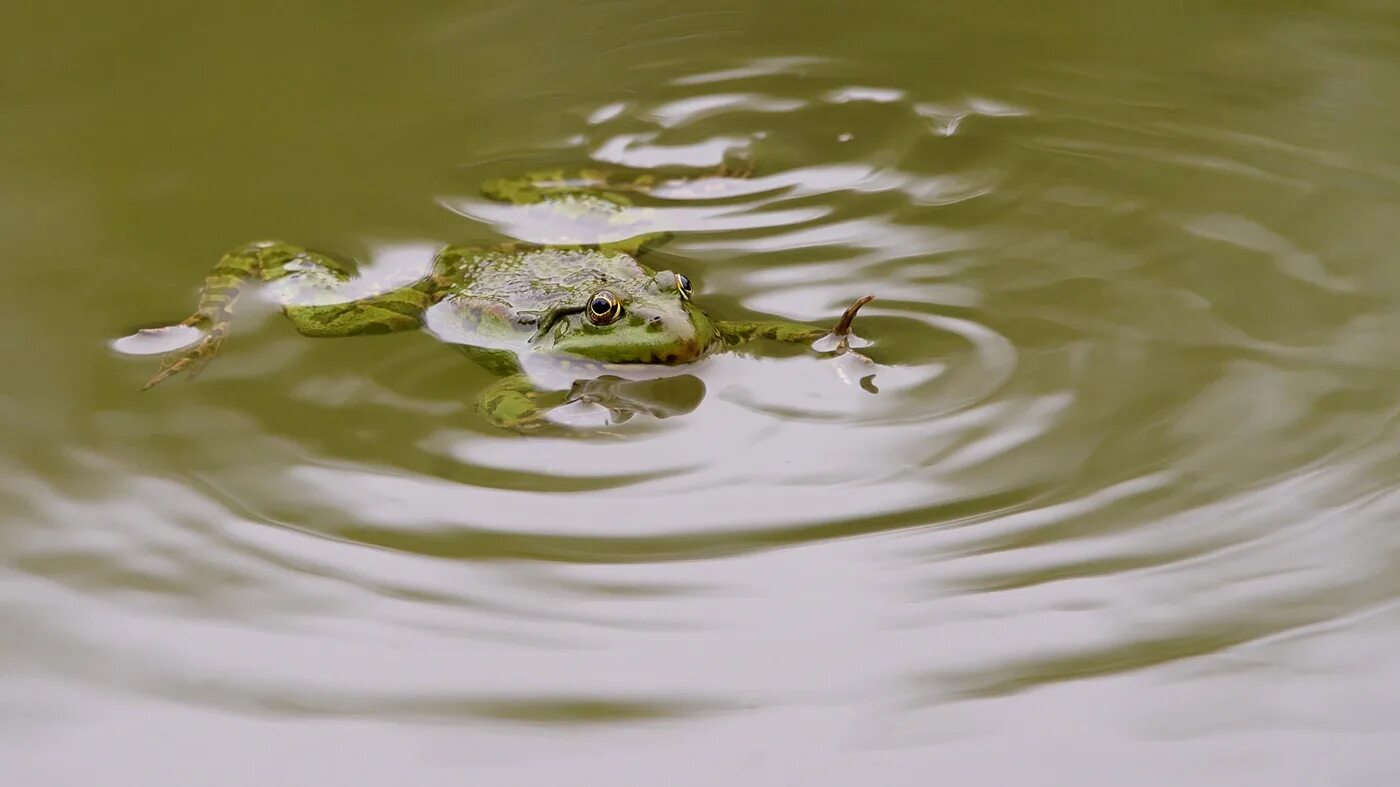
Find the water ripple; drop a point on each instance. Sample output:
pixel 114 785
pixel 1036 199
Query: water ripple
pixel 1127 413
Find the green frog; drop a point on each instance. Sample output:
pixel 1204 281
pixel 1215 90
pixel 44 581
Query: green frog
pixel 590 309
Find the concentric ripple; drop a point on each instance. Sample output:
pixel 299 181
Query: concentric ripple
pixel 1115 462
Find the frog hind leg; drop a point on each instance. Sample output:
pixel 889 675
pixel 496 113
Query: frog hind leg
pixel 266 261
pixel 637 245
pixel 610 185
pixel 386 312
pixel 731 168
pixel 562 185
pixel 574 194
pixel 605 192
pixel 222 286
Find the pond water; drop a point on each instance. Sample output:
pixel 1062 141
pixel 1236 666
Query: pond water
pixel 1118 506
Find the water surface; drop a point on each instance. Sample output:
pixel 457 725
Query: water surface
pixel 1122 510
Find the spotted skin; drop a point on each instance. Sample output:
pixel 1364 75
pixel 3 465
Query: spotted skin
pixel 583 197
pixel 514 403
pixel 502 305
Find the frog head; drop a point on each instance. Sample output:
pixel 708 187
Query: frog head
pixel 649 319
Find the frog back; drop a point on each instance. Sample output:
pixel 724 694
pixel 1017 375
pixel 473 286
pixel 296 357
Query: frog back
pixel 495 299
pixel 543 279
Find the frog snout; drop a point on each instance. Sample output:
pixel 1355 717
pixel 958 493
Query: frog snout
pixel 674 335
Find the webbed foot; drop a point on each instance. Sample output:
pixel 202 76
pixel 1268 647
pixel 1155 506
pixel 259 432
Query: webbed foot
pixel 191 359
pixel 740 167
pixel 852 367
pixel 839 340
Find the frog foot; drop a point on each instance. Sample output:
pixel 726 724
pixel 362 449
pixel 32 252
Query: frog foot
pixel 192 359
pixel 841 334
pixel 739 167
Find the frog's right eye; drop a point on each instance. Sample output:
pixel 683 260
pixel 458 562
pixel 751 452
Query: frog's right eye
pixel 604 308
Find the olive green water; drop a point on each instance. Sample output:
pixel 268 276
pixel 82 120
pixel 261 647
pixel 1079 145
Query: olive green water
pixel 1124 510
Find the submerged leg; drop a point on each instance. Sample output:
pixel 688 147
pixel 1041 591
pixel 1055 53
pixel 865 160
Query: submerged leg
pixel 563 184
pixel 710 186
pixel 608 185
pixel 736 333
pixel 604 194
pixel 267 261
pixel 637 245
pixel 594 201
pixel 514 403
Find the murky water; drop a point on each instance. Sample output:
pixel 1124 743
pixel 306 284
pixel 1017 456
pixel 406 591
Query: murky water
pixel 1123 510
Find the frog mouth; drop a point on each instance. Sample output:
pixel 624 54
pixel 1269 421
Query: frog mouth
pixel 684 351
pixel 686 354
pixel 671 354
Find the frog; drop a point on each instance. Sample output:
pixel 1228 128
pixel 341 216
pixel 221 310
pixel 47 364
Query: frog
pixel 590 308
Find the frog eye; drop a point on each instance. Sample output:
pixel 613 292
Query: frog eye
pixel 683 284
pixel 604 308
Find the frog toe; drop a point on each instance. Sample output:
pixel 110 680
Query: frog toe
pixel 740 166
pixel 191 361
pixel 843 327
pixel 841 340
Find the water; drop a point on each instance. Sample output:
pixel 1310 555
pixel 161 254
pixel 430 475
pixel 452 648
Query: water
pixel 1121 512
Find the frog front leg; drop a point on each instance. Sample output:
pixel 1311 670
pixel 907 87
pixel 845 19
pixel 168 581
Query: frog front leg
pixel 736 333
pixel 269 261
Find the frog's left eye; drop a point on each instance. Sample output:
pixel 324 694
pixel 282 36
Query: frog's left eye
pixel 683 284
pixel 604 308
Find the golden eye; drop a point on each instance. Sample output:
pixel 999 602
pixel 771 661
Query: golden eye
pixel 683 284
pixel 604 308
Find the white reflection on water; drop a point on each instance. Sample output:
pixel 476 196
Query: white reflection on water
pixel 690 110
pixel 1124 505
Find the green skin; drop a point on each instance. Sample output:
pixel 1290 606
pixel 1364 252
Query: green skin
pixel 507 305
